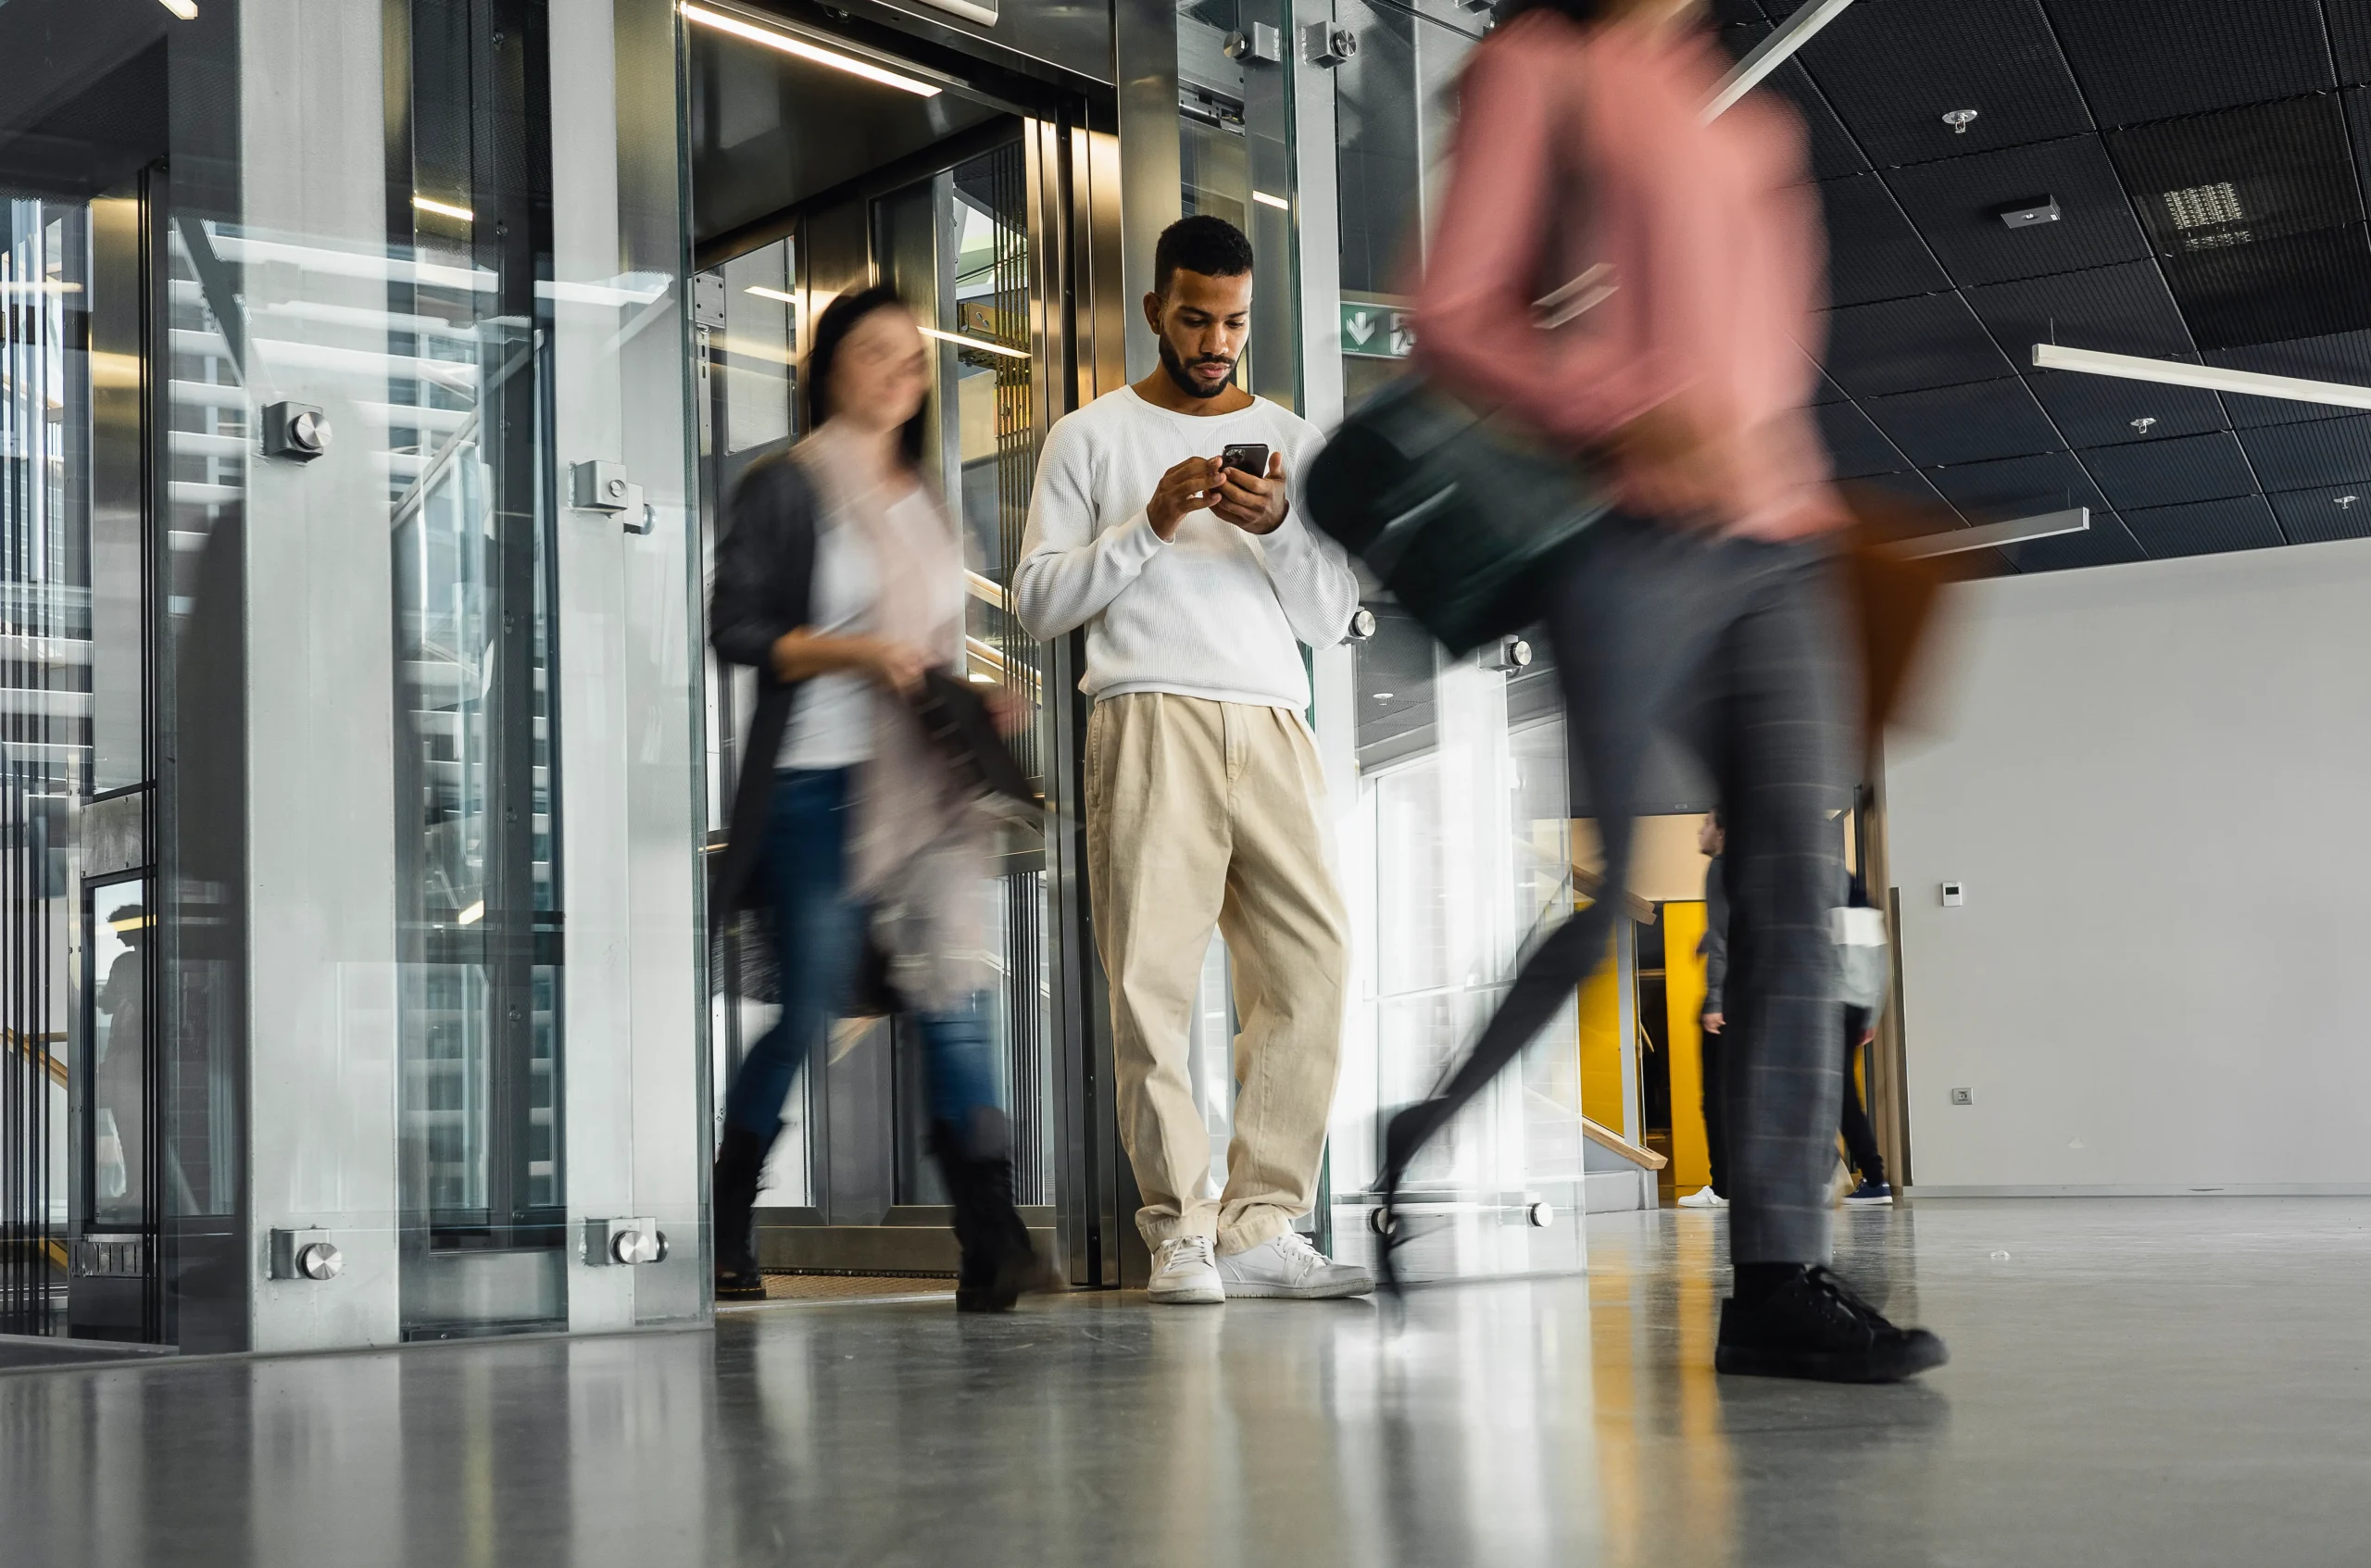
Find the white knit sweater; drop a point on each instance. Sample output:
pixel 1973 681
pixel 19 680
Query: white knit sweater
pixel 1215 613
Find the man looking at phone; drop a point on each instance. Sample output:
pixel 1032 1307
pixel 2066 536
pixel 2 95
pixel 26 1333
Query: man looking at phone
pixel 1163 524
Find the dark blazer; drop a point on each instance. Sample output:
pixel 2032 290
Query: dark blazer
pixel 765 574
pixel 1715 943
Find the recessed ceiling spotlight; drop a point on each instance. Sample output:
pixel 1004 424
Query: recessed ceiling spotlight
pixel 2026 215
pixel 2143 424
pixel 1959 121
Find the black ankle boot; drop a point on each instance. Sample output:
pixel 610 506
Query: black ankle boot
pixel 998 1263
pixel 740 1160
pixel 1811 1324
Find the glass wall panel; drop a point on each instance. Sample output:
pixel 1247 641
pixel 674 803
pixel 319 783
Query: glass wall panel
pixel 470 487
pixel 1456 852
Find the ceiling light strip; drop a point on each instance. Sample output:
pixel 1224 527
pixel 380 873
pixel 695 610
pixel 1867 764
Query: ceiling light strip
pixel 1772 53
pixel 806 51
pixel 1992 536
pixel 777 296
pixel 2214 378
pixel 443 209
pixel 979 343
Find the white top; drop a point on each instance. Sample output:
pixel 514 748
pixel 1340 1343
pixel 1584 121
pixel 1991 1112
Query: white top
pixel 831 721
pixel 831 725
pixel 1215 613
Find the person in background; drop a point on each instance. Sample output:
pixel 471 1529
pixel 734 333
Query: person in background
pixel 1198 583
pixel 1707 600
pixel 1714 950
pixel 1860 1138
pixel 841 581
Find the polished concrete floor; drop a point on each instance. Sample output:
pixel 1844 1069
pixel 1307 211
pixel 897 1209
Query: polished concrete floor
pixel 2136 1381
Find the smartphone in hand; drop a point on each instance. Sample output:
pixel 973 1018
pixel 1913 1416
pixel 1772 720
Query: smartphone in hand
pixel 1248 457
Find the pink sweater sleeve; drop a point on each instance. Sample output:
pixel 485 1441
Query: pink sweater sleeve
pixel 1474 322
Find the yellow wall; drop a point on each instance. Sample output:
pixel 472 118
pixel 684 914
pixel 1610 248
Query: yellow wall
pixel 1691 1166
pixel 1601 1010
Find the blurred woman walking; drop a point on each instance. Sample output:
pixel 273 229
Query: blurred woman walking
pixel 841 581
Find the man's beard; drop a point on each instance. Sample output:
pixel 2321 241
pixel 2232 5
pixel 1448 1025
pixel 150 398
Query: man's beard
pixel 1178 373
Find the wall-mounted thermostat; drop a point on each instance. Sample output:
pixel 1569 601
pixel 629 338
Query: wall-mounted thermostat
pixel 1954 894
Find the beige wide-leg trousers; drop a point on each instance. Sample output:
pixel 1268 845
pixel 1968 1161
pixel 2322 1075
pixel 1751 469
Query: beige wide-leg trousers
pixel 1202 814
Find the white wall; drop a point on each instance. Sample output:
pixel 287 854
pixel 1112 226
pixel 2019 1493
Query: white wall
pixel 2154 783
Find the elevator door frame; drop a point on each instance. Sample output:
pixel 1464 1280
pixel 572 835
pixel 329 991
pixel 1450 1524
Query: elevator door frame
pixel 1077 320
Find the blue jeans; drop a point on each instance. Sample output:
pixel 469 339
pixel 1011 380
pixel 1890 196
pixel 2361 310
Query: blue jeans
pixel 805 869
pixel 816 929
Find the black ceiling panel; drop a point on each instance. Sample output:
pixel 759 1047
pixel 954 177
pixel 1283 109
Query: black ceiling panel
pixel 1857 448
pixel 2018 487
pixel 1913 486
pixel 2297 286
pixel 2205 527
pixel 1873 252
pixel 1894 67
pixel 2344 357
pixel 2105 543
pixel 2350 22
pixel 2316 516
pixel 1957 204
pixel 1965 424
pixel 1736 11
pixel 1834 152
pixel 2099 411
pixel 2151 59
pixel 2358 124
pixel 2327 452
pixel 2161 474
pixel 1909 345
pixel 2123 309
pixel 2229 180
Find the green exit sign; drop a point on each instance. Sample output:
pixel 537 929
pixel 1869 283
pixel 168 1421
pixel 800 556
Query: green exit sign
pixel 1378 331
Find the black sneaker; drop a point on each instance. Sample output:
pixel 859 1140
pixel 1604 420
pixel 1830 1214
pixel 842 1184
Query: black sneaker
pixel 1814 1326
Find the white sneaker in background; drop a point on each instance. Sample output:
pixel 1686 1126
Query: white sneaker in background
pixel 1703 1197
pixel 1184 1275
pixel 1290 1266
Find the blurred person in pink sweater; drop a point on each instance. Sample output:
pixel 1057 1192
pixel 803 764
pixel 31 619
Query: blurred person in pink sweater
pixel 1644 287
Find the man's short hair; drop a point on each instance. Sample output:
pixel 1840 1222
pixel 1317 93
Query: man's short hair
pixel 1203 244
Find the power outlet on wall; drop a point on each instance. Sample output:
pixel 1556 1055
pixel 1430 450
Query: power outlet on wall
pixel 1963 1097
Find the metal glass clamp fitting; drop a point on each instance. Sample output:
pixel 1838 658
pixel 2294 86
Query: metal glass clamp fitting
pixel 1328 46
pixel 604 488
pixel 627 1241
pixel 306 1254
pixel 1257 43
pixel 295 430
pixel 1512 656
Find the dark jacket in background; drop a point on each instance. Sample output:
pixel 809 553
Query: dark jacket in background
pixel 1715 944
pixel 765 571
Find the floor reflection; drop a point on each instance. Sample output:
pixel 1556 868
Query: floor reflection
pixel 2115 1398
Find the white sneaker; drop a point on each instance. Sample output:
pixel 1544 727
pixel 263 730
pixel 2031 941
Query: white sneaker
pixel 1184 1275
pixel 1703 1197
pixel 1290 1266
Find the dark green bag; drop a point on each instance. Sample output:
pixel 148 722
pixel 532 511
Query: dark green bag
pixel 1465 518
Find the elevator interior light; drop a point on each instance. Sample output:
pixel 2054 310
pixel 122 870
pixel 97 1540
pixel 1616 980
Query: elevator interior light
pixel 979 343
pixel 471 915
pixel 443 209
pixel 2214 378
pixel 185 9
pixel 806 51
pixel 763 293
pixel 1264 199
pixel 45 286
